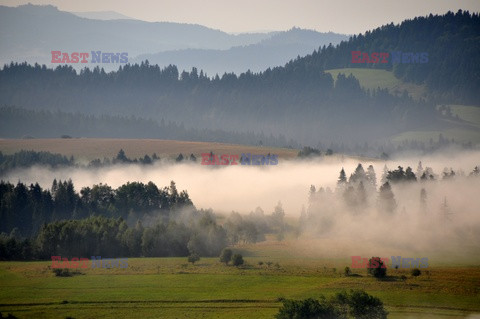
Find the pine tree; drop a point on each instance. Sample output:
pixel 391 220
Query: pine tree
pixel 359 175
pixel 387 201
pixel 342 179
pixel 361 195
pixel 384 179
pixel 419 169
pixel 371 177
pixel 423 201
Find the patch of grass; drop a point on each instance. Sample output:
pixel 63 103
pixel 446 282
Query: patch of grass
pixel 170 288
pixel 372 79
pixel 460 135
pixel 467 113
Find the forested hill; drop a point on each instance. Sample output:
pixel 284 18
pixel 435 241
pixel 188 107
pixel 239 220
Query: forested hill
pixel 301 103
pixel 452 42
pixel 299 100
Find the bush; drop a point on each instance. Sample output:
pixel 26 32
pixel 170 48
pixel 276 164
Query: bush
pixel 360 305
pixel 65 272
pixel 226 256
pixel 376 267
pixel 306 309
pixel 193 258
pixel 415 272
pixel 59 272
pixel 356 304
pixel 237 260
pixel 347 271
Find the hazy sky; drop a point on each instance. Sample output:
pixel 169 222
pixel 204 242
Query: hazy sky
pixel 253 15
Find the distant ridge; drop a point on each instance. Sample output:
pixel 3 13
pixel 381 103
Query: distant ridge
pixel 274 51
pixel 102 15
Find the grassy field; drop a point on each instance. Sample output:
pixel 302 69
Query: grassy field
pixel 91 148
pixel 172 288
pixel 372 79
pixel 469 132
pixel 470 114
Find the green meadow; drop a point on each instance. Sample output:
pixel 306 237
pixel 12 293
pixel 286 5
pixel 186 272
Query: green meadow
pixel 372 79
pixel 173 288
pixel 466 129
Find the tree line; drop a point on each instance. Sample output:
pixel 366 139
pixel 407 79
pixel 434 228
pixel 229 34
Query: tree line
pixel 136 219
pixel 453 68
pixel 16 122
pixel 246 103
pixel 359 193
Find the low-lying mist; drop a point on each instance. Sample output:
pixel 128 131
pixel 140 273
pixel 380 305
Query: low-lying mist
pixel 445 222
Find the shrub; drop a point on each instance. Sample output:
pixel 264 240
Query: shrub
pixel 306 309
pixel 356 304
pixel 347 271
pixel 237 260
pixel 226 256
pixel 360 305
pixel 376 267
pixel 193 258
pixel 60 272
pixel 415 272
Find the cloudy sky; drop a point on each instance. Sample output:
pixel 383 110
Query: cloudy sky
pixel 259 15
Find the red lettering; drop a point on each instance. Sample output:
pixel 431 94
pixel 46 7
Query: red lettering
pixel 65 263
pixel 75 57
pixel 224 159
pixel 206 159
pixel 356 56
pixel 385 261
pixel 355 262
pixel 84 55
pixel 375 57
pixel 55 263
pixel 65 58
pixel 374 263
pixel 232 159
pixel 365 57
pixel 55 55
pixel 83 262
pixel 384 56
pixel 74 262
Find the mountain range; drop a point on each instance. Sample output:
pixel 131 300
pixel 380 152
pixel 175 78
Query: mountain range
pixel 274 51
pixel 30 32
pixel 299 100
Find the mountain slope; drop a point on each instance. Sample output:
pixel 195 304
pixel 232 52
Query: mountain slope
pixel 102 15
pixel 452 42
pixel 274 51
pixel 298 100
pixel 30 33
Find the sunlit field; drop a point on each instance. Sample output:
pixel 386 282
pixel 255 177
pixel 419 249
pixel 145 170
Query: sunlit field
pixel 174 288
